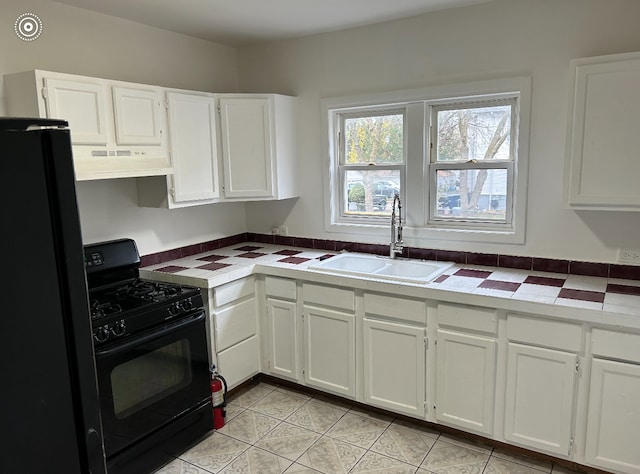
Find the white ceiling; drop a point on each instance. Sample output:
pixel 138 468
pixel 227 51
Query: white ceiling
pixel 241 22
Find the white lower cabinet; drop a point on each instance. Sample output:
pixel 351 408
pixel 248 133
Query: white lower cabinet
pixel 541 382
pixel 395 366
pixel 282 320
pixel 330 350
pixel 235 337
pixel 539 397
pixel 465 381
pixel 613 426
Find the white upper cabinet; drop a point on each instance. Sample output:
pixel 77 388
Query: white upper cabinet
pixel 603 162
pixel 258 146
pixel 117 128
pixel 194 155
pixel 138 115
pixel 83 105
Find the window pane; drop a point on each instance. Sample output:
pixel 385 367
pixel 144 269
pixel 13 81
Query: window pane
pixel 481 133
pixel 376 139
pixel 471 194
pixel 368 192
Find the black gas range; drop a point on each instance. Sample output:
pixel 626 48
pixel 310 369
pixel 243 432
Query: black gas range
pixel 152 360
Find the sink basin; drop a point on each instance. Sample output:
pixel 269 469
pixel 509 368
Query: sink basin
pixel 385 268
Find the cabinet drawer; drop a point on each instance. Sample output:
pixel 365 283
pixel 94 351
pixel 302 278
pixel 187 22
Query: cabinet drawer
pixel 240 362
pixel 542 332
pixel 616 345
pixel 328 296
pixel 235 323
pixel 396 308
pixel 280 288
pixel 468 317
pixel 235 290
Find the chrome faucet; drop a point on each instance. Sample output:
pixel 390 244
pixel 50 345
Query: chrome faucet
pixel 396 245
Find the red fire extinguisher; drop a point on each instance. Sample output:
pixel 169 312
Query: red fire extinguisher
pixel 219 397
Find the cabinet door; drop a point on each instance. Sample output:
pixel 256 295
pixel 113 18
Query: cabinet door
pixel 465 382
pixel 394 366
pixel 240 362
pixel 330 353
pixel 283 339
pixel 192 133
pixel 247 154
pixel 138 116
pixel 83 105
pixel 539 398
pixel 602 167
pixel 613 426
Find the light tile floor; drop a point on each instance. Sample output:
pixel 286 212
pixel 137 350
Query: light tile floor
pixel 272 429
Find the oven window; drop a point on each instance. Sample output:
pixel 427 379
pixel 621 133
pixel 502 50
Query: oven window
pixel 140 382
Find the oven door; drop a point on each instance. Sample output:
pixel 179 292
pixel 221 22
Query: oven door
pixel 147 381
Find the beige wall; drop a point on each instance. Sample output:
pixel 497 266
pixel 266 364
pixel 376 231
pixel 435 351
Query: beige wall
pixel 499 39
pixel 82 42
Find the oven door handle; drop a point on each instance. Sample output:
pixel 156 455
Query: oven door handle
pixel 150 336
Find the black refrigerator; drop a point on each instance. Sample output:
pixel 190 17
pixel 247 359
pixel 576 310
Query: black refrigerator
pixel 49 415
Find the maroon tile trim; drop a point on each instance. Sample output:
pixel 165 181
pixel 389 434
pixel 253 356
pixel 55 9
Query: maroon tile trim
pixel 627 272
pixel 214 266
pixel 589 269
pixel 248 248
pixel 451 256
pixel 324 244
pixel 623 289
pixel 500 285
pixel 287 252
pixel 251 254
pixel 212 258
pixel 545 281
pixel 487 259
pixel 550 265
pixel 509 261
pixel 466 272
pixel 583 295
pixel 303 242
pixel 375 249
pixel 295 260
pixel 346 246
pixel 281 240
pixel 441 278
pixel 422 254
pixel 263 239
pixel 171 269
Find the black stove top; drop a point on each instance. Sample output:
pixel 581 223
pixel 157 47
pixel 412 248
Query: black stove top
pixel 124 297
pixel 123 304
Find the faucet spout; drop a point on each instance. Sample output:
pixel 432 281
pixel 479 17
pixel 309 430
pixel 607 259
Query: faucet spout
pixel 396 245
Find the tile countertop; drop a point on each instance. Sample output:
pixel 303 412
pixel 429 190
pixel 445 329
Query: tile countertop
pixel 586 299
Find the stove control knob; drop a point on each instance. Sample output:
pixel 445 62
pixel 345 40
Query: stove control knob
pixel 174 309
pixel 119 328
pixel 187 304
pixel 101 334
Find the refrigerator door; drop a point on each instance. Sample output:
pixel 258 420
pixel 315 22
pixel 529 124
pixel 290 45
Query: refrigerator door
pixel 49 402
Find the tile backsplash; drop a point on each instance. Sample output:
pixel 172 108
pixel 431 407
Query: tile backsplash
pixel 629 272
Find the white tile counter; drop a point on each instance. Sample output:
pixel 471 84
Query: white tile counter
pixel 587 299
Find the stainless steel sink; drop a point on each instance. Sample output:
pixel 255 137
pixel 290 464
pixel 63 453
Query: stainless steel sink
pixel 372 266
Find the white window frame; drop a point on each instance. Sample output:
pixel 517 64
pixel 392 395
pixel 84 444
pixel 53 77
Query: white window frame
pixel 342 167
pixel 434 166
pixel 416 188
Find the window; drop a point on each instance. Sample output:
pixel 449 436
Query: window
pixel 456 154
pixel 472 163
pixel 371 158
